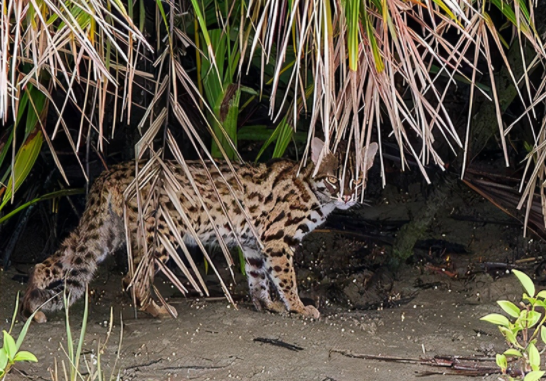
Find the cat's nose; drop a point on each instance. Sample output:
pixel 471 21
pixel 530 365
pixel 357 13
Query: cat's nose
pixel 347 198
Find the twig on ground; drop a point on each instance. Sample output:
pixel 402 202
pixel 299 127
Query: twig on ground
pixel 456 365
pixel 278 343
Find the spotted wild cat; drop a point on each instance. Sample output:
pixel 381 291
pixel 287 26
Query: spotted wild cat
pixel 283 205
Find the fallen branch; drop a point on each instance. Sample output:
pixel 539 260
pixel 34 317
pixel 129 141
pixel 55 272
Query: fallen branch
pixel 456 365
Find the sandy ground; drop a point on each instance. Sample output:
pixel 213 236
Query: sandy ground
pixel 430 313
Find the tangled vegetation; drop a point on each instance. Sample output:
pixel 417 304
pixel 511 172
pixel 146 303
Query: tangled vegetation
pixel 215 74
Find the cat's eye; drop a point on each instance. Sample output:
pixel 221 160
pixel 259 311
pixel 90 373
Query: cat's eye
pixel 332 179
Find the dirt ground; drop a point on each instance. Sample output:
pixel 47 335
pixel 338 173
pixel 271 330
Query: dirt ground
pixel 430 307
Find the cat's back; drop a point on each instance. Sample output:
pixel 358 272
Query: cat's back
pixel 252 184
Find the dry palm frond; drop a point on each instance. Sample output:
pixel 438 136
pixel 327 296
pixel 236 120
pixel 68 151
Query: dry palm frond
pixel 356 66
pixel 536 160
pixel 156 178
pixel 377 67
pixel 366 56
pixel 154 182
pixel 502 191
pixel 63 49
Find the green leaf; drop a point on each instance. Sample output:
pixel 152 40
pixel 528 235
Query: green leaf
pixel 242 260
pixel 206 265
pixel 24 161
pixel 542 294
pixel 25 328
pixel 273 137
pixel 509 13
pixel 9 346
pixel 5 144
pixel 543 334
pixel 496 319
pixel 534 356
pixel 248 90
pixel 534 375
pixel 262 133
pixel 35 109
pixel 25 356
pixel 82 332
pixel 23 104
pixel 164 17
pixel 533 317
pixel 529 299
pixel 502 362
pixel 376 51
pixel 254 132
pixel 14 317
pixel 509 307
pixel 222 94
pixel 24 331
pixel 3 359
pixel 526 282
pixel 512 352
pixel 508 334
pixel 352 11
pixel 435 69
pixel 202 23
pixel 447 10
pixel 69 341
pixel 527 319
pixel 229 124
pixel 285 136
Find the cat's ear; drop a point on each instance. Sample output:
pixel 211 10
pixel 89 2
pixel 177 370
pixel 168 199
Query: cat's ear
pixel 316 148
pixel 370 155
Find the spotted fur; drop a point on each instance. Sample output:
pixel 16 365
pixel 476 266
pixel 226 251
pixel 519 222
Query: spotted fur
pixel 283 205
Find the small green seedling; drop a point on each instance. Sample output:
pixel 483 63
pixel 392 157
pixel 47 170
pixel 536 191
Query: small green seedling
pixel 10 353
pixel 522 330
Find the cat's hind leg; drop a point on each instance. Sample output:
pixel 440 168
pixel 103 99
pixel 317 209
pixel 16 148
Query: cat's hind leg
pixel 141 285
pixel 145 268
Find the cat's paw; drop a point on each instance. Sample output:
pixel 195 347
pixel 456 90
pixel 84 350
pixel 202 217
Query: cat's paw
pixel 257 304
pixel 40 317
pixel 265 303
pixel 163 311
pixel 310 312
pixel 35 298
pixel 276 306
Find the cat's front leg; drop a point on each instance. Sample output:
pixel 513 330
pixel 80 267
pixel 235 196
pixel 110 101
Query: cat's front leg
pixel 258 282
pixel 68 271
pixel 280 270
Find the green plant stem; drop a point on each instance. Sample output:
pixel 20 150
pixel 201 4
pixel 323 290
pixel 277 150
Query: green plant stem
pixel 60 193
pixel 537 330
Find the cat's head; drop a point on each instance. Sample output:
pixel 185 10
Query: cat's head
pixel 338 180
